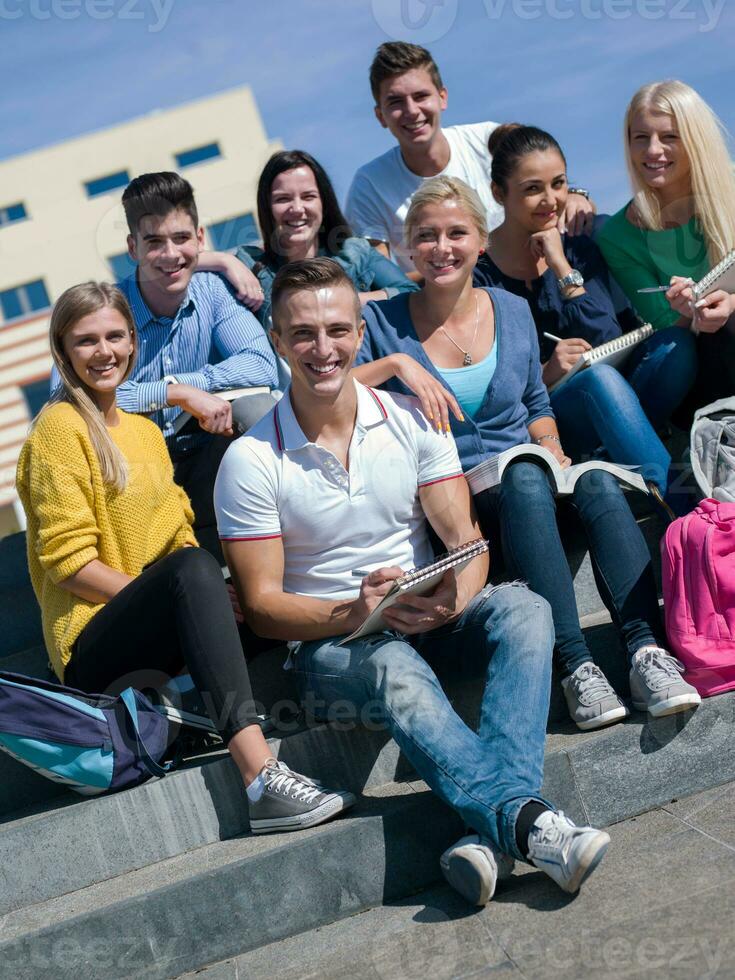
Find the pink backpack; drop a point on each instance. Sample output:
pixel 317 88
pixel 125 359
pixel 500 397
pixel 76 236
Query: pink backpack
pixel 698 568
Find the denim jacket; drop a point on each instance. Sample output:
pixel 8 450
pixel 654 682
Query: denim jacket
pixel 366 267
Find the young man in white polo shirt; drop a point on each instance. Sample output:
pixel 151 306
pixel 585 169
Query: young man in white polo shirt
pixel 409 100
pixel 320 506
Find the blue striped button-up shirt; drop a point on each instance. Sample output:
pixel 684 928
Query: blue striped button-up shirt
pixel 212 343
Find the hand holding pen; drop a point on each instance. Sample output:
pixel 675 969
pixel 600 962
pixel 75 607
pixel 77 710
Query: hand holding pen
pixel 566 354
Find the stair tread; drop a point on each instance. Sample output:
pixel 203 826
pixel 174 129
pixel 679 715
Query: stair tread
pixel 531 929
pixel 202 860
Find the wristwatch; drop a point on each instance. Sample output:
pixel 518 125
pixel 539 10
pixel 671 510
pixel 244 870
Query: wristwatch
pixel 573 278
pixel 579 190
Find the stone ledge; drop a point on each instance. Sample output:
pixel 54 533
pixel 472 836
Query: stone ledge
pixel 600 777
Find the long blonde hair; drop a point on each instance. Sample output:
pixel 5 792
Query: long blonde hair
pixel 703 138
pixel 436 190
pixel 74 304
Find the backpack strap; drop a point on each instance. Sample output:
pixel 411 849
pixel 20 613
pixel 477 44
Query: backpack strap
pixel 127 698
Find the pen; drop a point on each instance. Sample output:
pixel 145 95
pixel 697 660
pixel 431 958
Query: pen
pixel 550 336
pixel 360 572
pixel 661 289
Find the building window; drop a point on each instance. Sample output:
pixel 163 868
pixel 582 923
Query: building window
pixel 228 234
pixel 36 395
pixel 198 155
pixel 122 266
pixel 23 300
pixel 12 213
pixel 109 183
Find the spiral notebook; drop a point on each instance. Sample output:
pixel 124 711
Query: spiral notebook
pixel 419 581
pixel 721 276
pixel 614 352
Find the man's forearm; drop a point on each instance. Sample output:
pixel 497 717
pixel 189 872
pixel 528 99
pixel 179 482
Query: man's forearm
pixel 286 616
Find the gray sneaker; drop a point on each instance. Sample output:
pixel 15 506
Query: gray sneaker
pixel 292 802
pixel 473 866
pixel 591 700
pixel 656 683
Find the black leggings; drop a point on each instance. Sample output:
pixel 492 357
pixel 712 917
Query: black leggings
pixel 175 614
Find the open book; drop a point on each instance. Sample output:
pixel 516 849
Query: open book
pixel 229 396
pixel 614 352
pixel 489 473
pixel 419 581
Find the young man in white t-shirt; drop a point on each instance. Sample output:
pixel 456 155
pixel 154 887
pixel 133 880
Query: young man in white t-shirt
pixel 320 507
pixel 409 100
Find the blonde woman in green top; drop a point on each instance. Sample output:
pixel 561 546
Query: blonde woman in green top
pixel 680 222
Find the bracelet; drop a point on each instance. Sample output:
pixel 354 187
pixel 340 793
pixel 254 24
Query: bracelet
pixel 549 436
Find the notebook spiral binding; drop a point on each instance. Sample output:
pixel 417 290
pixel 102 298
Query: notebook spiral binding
pixel 701 288
pixel 443 563
pixel 620 343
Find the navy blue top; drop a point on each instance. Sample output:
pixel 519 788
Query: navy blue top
pixel 516 395
pixel 590 316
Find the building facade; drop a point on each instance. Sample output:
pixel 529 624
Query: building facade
pixel 61 222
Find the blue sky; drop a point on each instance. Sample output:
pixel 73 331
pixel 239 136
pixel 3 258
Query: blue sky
pixel 71 66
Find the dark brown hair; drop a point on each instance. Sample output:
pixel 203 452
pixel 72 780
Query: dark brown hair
pixel 396 58
pixel 512 141
pixel 158 194
pixel 309 275
pixel 334 228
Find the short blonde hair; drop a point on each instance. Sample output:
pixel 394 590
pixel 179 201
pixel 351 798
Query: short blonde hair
pixel 72 306
pixel 440 189
pixel 703 138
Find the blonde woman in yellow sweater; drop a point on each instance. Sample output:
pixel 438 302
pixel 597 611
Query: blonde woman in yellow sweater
pixel 123 588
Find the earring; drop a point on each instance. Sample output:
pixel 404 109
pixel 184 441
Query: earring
pixel 482 251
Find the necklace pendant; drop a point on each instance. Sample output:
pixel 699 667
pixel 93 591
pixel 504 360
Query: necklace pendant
pixel 467 360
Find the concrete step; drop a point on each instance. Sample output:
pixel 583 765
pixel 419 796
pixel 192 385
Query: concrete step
pixel 625 922
pixel 599 777
pixel 219 900
pixel 21 787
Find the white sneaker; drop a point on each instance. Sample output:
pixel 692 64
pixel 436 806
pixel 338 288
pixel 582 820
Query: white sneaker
pixel 591 699
pixel 473 866
pixel 656 684
pixel 567 853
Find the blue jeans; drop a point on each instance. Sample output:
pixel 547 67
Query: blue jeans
pixel 488 775
pixel 661 371
pixel 521 513
pixel 597 408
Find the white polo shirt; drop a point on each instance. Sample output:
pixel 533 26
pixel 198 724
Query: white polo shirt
pixel 336 524
pixel 381 190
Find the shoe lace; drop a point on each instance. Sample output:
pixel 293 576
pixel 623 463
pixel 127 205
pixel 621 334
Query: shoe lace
pixel 552 833
pixel 589 681
pixel 652 662
pixel 281 779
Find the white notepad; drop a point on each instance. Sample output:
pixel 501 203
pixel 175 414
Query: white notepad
pixel 419 581
pixel 721 276
pixel 614 352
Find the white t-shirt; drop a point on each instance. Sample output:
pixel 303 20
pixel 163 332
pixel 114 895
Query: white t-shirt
pixel 381 191
pixel 336 525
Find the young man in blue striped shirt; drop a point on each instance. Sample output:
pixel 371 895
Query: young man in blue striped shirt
pixel 195 339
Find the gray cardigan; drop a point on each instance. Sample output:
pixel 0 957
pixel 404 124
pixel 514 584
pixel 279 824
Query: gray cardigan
pixel 516 395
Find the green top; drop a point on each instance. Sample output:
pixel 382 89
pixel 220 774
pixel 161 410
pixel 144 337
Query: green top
pixel 638 258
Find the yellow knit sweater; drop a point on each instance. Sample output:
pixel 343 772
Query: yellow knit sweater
pixel 73 517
